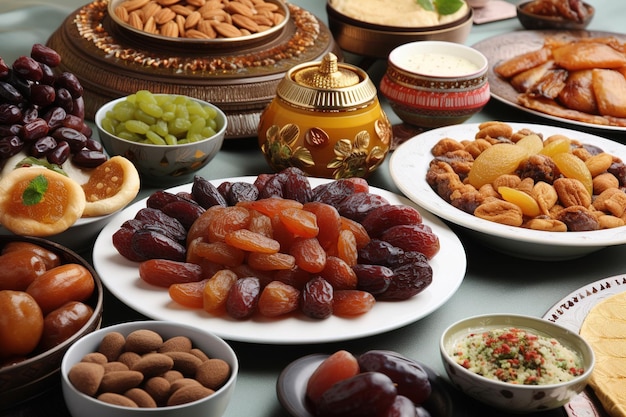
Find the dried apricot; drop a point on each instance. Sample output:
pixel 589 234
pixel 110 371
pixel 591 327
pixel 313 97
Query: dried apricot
pixel 230 219
pixel 271 261
pixel 494 161
pixel 348 303
pixel 188 294
pixel 277 299
pixel 532 143
pixel 309 254
pixel 216 290
pixel 572 166
pixel 555 145
pixel 337 367
pixel 250 241
pixel 299 222
pixel 524 201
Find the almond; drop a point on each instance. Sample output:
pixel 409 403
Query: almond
pixel 234 7
pixel 188 394
pixel 163 16
pixel 170 29
pixel 134 20
pixel 112 345
pixel 121 13
pixel 227 30
pixel 185 362
pixel 192 20
pixel 176 343
pixel 86 377
pixel 120 381
pixel 181 10
pixel 196 34
pixel 131 5
pixel 196 3
pixel 117 399
pixel 167 2
pixel 153 364
pixel 150 9
pixel 158 388
pixel 245 22
pixel 141 398
pixel 206 27
pixel 143 341
pixel 213 373
pixel 150 26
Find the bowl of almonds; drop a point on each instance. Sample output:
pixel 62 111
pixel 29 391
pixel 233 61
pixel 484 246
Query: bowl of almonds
pixel 213 22
pixel 160 367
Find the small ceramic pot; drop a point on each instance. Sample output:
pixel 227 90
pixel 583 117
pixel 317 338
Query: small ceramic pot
pixel 431 84
pixel 326 120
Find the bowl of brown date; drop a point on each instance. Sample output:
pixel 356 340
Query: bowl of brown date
pixel 49 298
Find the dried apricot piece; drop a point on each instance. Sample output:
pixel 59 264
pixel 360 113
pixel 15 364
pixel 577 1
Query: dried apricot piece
pixel 360 234
pixel 532 143
pixel 555 145
pixel 309 255
pixel 220 253
pixel 271 261
pixel 216 290
pixel 277 299
pixel 494 161
pixel 299 222
pixel 337 367
pixel 230 219
pixel 271 205
pixel 250 241
pixel 188 294
pixel 524 201
pixel 346 247
pixel 348 303
pixel 572 166
pixel 339 274
pixel 260 223
pixel 200 227
pixel 328 222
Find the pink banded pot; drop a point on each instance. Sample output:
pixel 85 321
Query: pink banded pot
pixel 431 84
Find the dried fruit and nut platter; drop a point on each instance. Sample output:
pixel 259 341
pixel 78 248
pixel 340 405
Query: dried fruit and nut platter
pixel 552 206
pixel 280 258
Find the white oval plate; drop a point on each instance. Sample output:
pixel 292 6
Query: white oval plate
pixel 121 277
pixel 410 161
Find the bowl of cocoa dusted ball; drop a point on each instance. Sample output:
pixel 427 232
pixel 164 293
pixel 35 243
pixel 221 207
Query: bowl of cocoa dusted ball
pixel 165 368
pixel 49 298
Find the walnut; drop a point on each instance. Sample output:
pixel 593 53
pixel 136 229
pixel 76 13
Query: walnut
pixel 476 147
pixel 500 211
pixel 545 195
pixel 494 130
pixel 507 180
pixel 603 182
pixel 446 145
pixel 599 163
pixel 572 192
pixel 608 221
pixel 578 219
pixel 612 200
pixel 546 224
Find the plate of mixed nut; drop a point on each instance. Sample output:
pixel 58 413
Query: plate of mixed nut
pixel 531 191
pixel 329 261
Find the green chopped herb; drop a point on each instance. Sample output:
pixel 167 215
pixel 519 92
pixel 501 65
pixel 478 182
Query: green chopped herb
pixel 31 160
pixel 35 191
pixel 443 7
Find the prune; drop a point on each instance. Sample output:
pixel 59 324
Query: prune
pixel 317 298
pixel 206 194
pixel 409 376
pixel 296 185
pixel 386 216
pixel 160 198
pixel 9 146
pixel 89 159
pixel 10 94
pixel 151 245
pixel 272 187
pixel 43 146
pixel 243 298
pixel 378 252
pixel 241 191
pixel 70 82
pixel 408 280
pixel 42 94
pixel 374 279
pixel 122 240
pixel 150 216
pixel 414 237
pixel 27 68
pixel 367 394
pixel 45 55
pixel 184 211
pixel 333 192
pixel 356 206
pixel 406 257
pixel 401 407
pixel 59 154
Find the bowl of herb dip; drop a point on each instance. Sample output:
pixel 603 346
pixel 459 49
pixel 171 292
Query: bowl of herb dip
pixel 516 363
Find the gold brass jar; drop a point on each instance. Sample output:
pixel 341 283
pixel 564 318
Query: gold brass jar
pixel 326 120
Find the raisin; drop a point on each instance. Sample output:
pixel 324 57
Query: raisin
pixel 357 229
pixel 243 298
pixel 414 237
pixel 159 199
pixel 241 191
pixel 272 187
pixel 184 211
pixel 295 185
pixel 150 216
pixel 374 279
pixel 122 241
pixel 163 272
pixel 59 154
pixel 346 247
pixel 408 280
pixel 378 252
pixel 333 192
pixel 317 299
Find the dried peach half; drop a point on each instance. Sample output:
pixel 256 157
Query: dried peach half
pixel 39 202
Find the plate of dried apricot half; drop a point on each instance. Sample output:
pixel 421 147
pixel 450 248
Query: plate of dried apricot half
pixel 281 258
pixel 531 191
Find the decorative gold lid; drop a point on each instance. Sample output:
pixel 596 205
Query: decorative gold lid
pixel 327 85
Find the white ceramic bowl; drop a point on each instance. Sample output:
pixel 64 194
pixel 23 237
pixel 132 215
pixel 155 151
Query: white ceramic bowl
pixel 408 166
pixel 377 40
pixel 159 164
pixel 214 405
pixel 509 397
pixel 435 83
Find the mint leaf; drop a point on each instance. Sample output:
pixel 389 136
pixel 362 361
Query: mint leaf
pixel 445 7
pixel 426 5
pixel 35 190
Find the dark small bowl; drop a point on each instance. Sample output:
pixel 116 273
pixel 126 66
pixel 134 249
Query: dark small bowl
pixel 538 22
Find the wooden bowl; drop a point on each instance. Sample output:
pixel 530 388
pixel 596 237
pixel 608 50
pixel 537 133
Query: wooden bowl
pixel 532 21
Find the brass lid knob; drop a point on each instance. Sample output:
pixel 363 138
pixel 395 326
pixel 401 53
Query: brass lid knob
pixel 327 85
